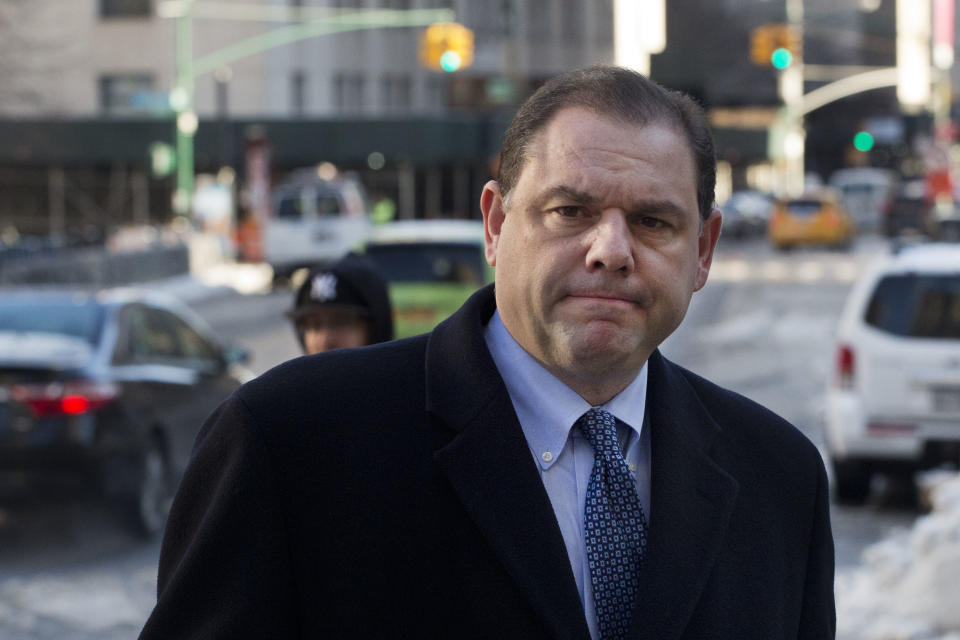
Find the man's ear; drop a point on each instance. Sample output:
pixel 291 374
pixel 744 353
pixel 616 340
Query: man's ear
pixel 491 204
pixel 707 243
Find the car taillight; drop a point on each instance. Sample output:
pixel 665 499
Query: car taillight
pixel 64 398
pixel 845 367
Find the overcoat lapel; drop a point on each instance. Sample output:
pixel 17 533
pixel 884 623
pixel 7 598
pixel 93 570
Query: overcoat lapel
pixel 692 498
pixel 489 466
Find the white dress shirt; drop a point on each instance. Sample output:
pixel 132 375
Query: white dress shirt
pixel 547 409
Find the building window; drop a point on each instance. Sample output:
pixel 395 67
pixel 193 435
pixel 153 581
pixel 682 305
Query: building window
pixel 125 8
pixel 348 91
pixel 436 93
pixel 395 92
pixel 298 93
pixel 126 94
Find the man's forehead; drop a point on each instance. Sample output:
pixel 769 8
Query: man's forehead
pixel 570 142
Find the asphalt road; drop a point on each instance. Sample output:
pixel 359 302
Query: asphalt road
pixel 762 327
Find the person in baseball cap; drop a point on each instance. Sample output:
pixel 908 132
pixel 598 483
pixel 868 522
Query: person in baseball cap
pixel 342 305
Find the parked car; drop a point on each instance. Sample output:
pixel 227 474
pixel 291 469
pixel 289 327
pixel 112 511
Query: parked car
pixel 746 213
pixel 431 267
pixel 945 225
pixel 864 192
pixel 315 220
pixel 814 219
pixel 893 404
pixel 908 210
pixel 106 391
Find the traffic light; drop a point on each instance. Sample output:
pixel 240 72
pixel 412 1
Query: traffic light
pixel 774 45
pixel 781 58
pixel 863 141
pixel 446 46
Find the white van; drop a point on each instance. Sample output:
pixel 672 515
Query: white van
pixel 864 193
pixel 314 220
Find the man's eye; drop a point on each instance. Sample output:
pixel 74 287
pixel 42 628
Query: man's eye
pixel 570 212
pixel 652 223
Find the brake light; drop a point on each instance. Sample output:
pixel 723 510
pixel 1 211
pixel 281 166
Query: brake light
pixel 64 399
pixel 846 363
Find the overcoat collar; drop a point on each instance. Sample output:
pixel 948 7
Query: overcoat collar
pixel 692 498
pixel 489 465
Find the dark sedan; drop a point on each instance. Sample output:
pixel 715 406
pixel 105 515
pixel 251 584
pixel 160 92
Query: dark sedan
pixel 106 391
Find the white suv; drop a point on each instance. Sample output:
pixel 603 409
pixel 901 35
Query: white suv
pixel 893 404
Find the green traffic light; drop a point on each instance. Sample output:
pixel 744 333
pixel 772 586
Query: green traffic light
pixel 863 141
pixel 781 58
pixel 450 61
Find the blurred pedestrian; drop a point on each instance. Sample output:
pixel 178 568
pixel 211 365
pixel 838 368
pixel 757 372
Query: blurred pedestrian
pixel 533 467
pixel 344 305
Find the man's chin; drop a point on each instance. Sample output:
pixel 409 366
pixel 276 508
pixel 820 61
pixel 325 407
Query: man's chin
pixel 600 347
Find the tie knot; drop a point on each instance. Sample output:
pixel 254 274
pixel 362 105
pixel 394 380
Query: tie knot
pixel 600 429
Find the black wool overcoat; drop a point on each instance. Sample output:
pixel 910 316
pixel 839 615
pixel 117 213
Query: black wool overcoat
pixel 388 492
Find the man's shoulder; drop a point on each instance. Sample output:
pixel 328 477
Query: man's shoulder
pixel 740 417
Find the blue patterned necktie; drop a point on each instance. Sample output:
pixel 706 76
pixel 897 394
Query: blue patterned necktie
pixel 615 528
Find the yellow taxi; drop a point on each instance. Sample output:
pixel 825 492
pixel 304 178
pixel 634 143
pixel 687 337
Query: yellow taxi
pixel 813 219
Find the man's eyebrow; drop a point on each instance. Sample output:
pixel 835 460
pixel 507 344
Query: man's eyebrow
pixel 569 194
pixel 640 207
pixel 656 206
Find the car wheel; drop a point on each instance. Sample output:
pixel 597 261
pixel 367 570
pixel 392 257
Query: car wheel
pixel 851 481
pixel 151 503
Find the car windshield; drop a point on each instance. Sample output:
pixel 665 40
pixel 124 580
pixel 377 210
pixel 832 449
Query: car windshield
pixel 918 306
pixel 293 207
pixel 803 207
pixel 429 262
pixel 80 319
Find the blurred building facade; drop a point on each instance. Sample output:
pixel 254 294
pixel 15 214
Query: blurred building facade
pixel 86 84
pixel 84 91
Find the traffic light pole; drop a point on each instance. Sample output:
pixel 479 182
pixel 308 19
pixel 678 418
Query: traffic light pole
pixel 183 108
pixel 791 92
pixel 309 24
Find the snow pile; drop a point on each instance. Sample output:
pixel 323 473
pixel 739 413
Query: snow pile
pixel 908 587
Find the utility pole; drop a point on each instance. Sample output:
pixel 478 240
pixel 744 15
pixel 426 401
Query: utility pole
pixel 182 103
pixel 791 92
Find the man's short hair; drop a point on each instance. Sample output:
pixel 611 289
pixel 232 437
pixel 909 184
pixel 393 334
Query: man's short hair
pixel 621 94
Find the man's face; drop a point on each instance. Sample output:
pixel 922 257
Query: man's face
pixel 598 247
pixel 328 328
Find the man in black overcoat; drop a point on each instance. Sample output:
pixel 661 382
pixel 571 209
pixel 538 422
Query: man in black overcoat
pixel 534 467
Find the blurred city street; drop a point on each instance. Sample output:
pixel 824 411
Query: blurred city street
pixel 173 171
pixel 763 326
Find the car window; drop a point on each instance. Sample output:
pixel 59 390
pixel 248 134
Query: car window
pixel 192 345
pixel 918 306
pixel 328 205
pixel 323 201
pixel 429 262
pixel 289 208
pixel 80 319
pixel 152 338
pixel 803 207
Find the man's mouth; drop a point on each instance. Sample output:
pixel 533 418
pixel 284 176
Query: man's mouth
pixel 604 298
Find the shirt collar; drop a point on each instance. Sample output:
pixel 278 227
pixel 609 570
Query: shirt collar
pixel 546 407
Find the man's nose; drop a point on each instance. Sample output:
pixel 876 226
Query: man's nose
pixel 611 246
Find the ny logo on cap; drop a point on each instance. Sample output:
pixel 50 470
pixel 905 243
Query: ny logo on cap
pixel 324 287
